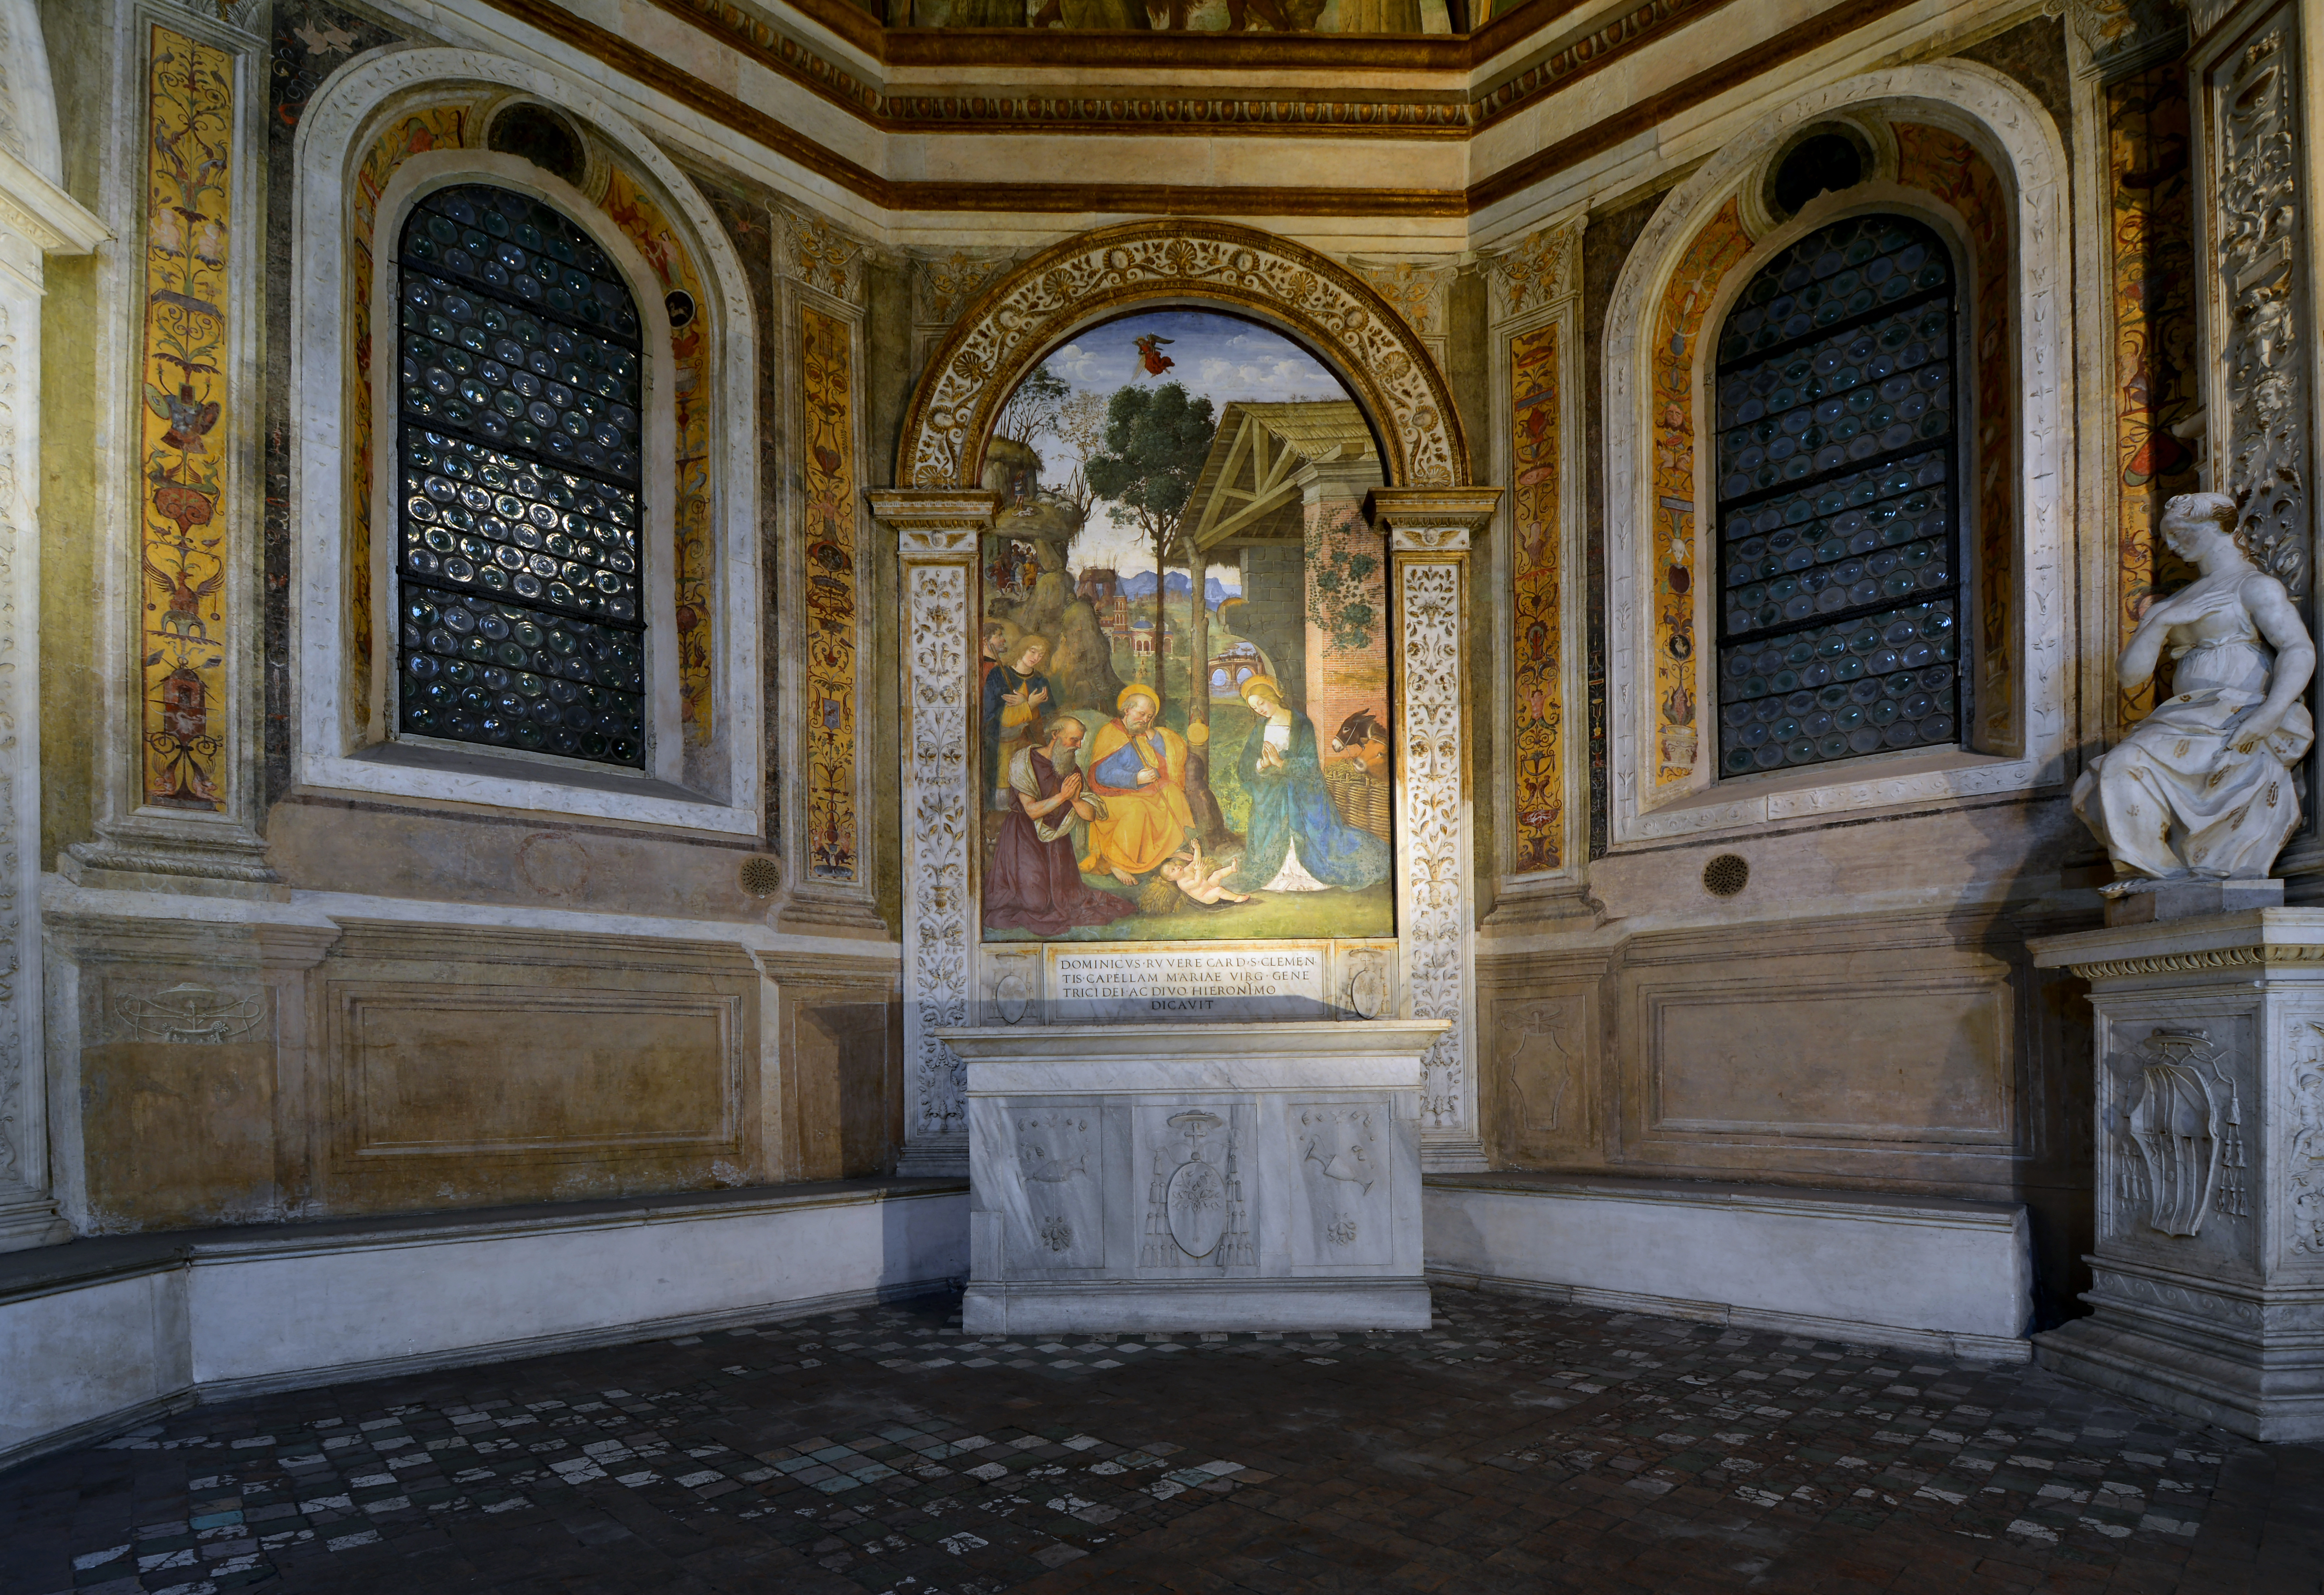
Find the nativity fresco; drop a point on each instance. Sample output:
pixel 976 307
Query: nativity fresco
pixel 1183 689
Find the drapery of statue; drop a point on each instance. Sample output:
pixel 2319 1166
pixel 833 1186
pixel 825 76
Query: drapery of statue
pixel 2208 786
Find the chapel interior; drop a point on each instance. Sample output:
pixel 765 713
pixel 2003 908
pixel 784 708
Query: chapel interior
pixel 1159 795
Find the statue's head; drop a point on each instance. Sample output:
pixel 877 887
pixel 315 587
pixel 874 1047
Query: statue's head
pixel 2190 520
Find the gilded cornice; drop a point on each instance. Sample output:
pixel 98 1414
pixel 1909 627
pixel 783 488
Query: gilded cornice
pixel 1203 115
pixel 1452 112
pixel 2269 955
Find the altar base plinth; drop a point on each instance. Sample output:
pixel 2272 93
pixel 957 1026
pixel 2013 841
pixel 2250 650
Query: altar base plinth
pixel 1188 1176
pixel 2208 1273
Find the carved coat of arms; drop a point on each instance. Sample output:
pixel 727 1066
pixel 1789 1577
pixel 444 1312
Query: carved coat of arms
pixel 1195 1212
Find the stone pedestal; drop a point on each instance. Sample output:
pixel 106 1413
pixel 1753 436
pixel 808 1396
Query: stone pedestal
pixel 1191 1176
pixel 2209 1124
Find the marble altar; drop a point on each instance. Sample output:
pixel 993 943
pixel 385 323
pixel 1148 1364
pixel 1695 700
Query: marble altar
pixel 1184 1175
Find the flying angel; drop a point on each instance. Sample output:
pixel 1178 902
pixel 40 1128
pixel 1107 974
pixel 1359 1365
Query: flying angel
pixel 1150 351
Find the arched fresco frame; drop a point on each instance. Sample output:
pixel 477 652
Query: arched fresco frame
pixel 1429 511
pixel 1022 318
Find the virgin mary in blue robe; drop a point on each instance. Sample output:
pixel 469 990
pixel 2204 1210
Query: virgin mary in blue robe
pixel 1291 811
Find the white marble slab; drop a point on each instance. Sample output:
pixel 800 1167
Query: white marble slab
pixel 1181 1176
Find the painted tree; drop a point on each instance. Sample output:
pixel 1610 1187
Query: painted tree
pixel 1155 440
pixel 1079 425
pixel 1034 406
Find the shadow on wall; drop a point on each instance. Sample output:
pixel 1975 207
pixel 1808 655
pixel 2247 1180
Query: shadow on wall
pixel 844 1061
pixel 2054 1087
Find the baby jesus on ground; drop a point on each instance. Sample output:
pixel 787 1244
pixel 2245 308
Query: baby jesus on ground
pixel 1200 881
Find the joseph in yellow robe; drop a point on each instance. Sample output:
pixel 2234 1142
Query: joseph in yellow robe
pixel 1138 770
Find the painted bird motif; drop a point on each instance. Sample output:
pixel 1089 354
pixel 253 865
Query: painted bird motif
pixel 189 418
pixel 1149 352
pixel 182 614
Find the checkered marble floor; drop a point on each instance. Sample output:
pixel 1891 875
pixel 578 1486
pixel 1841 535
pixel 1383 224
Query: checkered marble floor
pixel 1517 1445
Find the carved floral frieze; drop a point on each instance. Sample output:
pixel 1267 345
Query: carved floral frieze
pixel 1539 270
pixel 811 250
pixel 1430 660
pixel 943 286
pixel 982 361
pixel 1419 292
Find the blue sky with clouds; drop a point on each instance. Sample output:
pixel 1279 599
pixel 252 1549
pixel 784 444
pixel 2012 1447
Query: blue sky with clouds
pixel 1214 356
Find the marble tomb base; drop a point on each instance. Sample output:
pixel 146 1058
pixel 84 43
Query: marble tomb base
pixel 1194 1176
pixel 2209 1272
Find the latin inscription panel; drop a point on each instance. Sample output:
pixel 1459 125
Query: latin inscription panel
pixel 1202 984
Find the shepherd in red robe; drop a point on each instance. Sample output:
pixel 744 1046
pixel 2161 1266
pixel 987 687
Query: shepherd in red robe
pixel 1036 883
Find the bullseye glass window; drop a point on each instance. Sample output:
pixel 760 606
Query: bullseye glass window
pixel 1836 468
pixel 520 595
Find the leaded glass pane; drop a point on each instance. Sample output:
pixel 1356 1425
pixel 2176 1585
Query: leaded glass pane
pixel 1840 577
pixel 519 513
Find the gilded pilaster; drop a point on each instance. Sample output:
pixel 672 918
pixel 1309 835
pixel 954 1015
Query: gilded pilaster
pixel 1535 567
pixel 178 755
pixel 828 767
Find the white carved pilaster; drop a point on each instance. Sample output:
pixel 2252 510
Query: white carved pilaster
pixel 37 219
pixel 937 533
pixel 2260 366
pixel 1429 535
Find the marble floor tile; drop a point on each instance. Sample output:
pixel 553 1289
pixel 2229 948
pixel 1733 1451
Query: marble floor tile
pixel 1515 1446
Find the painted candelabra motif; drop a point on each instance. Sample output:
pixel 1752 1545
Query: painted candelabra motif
pixel 1539 842
pixel 827 417
pixel 2206 786
pixel 184 553
pixel 1183 700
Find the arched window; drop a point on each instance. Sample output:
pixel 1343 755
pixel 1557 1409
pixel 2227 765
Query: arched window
pixel 521 598
pixel 1837 474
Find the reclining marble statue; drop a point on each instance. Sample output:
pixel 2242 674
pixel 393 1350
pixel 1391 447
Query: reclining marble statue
pixel 2207 788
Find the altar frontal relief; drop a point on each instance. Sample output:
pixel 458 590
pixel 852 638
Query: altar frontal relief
pixel 1184 686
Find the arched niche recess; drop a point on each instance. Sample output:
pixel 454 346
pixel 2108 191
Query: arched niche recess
pixel 1429 508
pixel 1149 265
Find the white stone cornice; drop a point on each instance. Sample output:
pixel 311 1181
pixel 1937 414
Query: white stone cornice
pixel 52 219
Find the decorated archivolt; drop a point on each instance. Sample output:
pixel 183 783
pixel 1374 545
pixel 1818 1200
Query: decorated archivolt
pixel 1013 324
